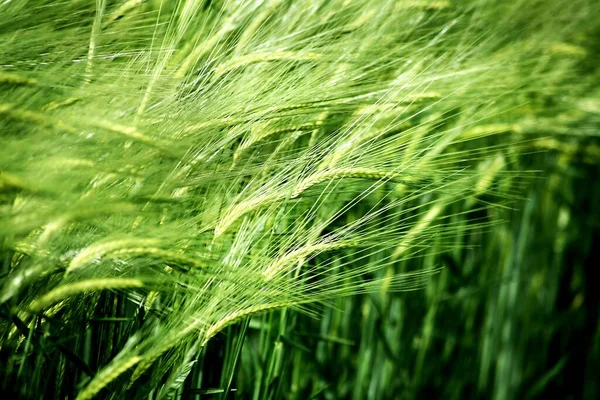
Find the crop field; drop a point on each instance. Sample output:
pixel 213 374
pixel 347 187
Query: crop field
pixel 299 199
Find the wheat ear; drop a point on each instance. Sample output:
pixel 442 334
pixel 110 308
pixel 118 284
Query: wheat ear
pixel 207 334
pixel 121 11
pixel 35 118
pixel 154 252
pixel 233 213
pixel 255 24
pixel 80 287
pixel 247 60
pixel 339 173
pixel 419 228
pixel 487 130
pixel 425 5
pixel 300 254
pixel 99 250
pixel 106 376
pixel 15 79
pixel 257 135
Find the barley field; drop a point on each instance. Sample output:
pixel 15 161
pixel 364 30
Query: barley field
pixel 299 199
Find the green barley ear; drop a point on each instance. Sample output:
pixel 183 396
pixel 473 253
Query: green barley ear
pixel 65 291
pixel 171 170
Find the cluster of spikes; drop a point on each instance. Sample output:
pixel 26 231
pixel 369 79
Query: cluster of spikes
pixel 188 164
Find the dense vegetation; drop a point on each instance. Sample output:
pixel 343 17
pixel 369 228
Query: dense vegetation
pixel 276 199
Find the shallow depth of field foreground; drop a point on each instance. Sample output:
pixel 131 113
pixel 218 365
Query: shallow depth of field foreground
pixel 299 199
